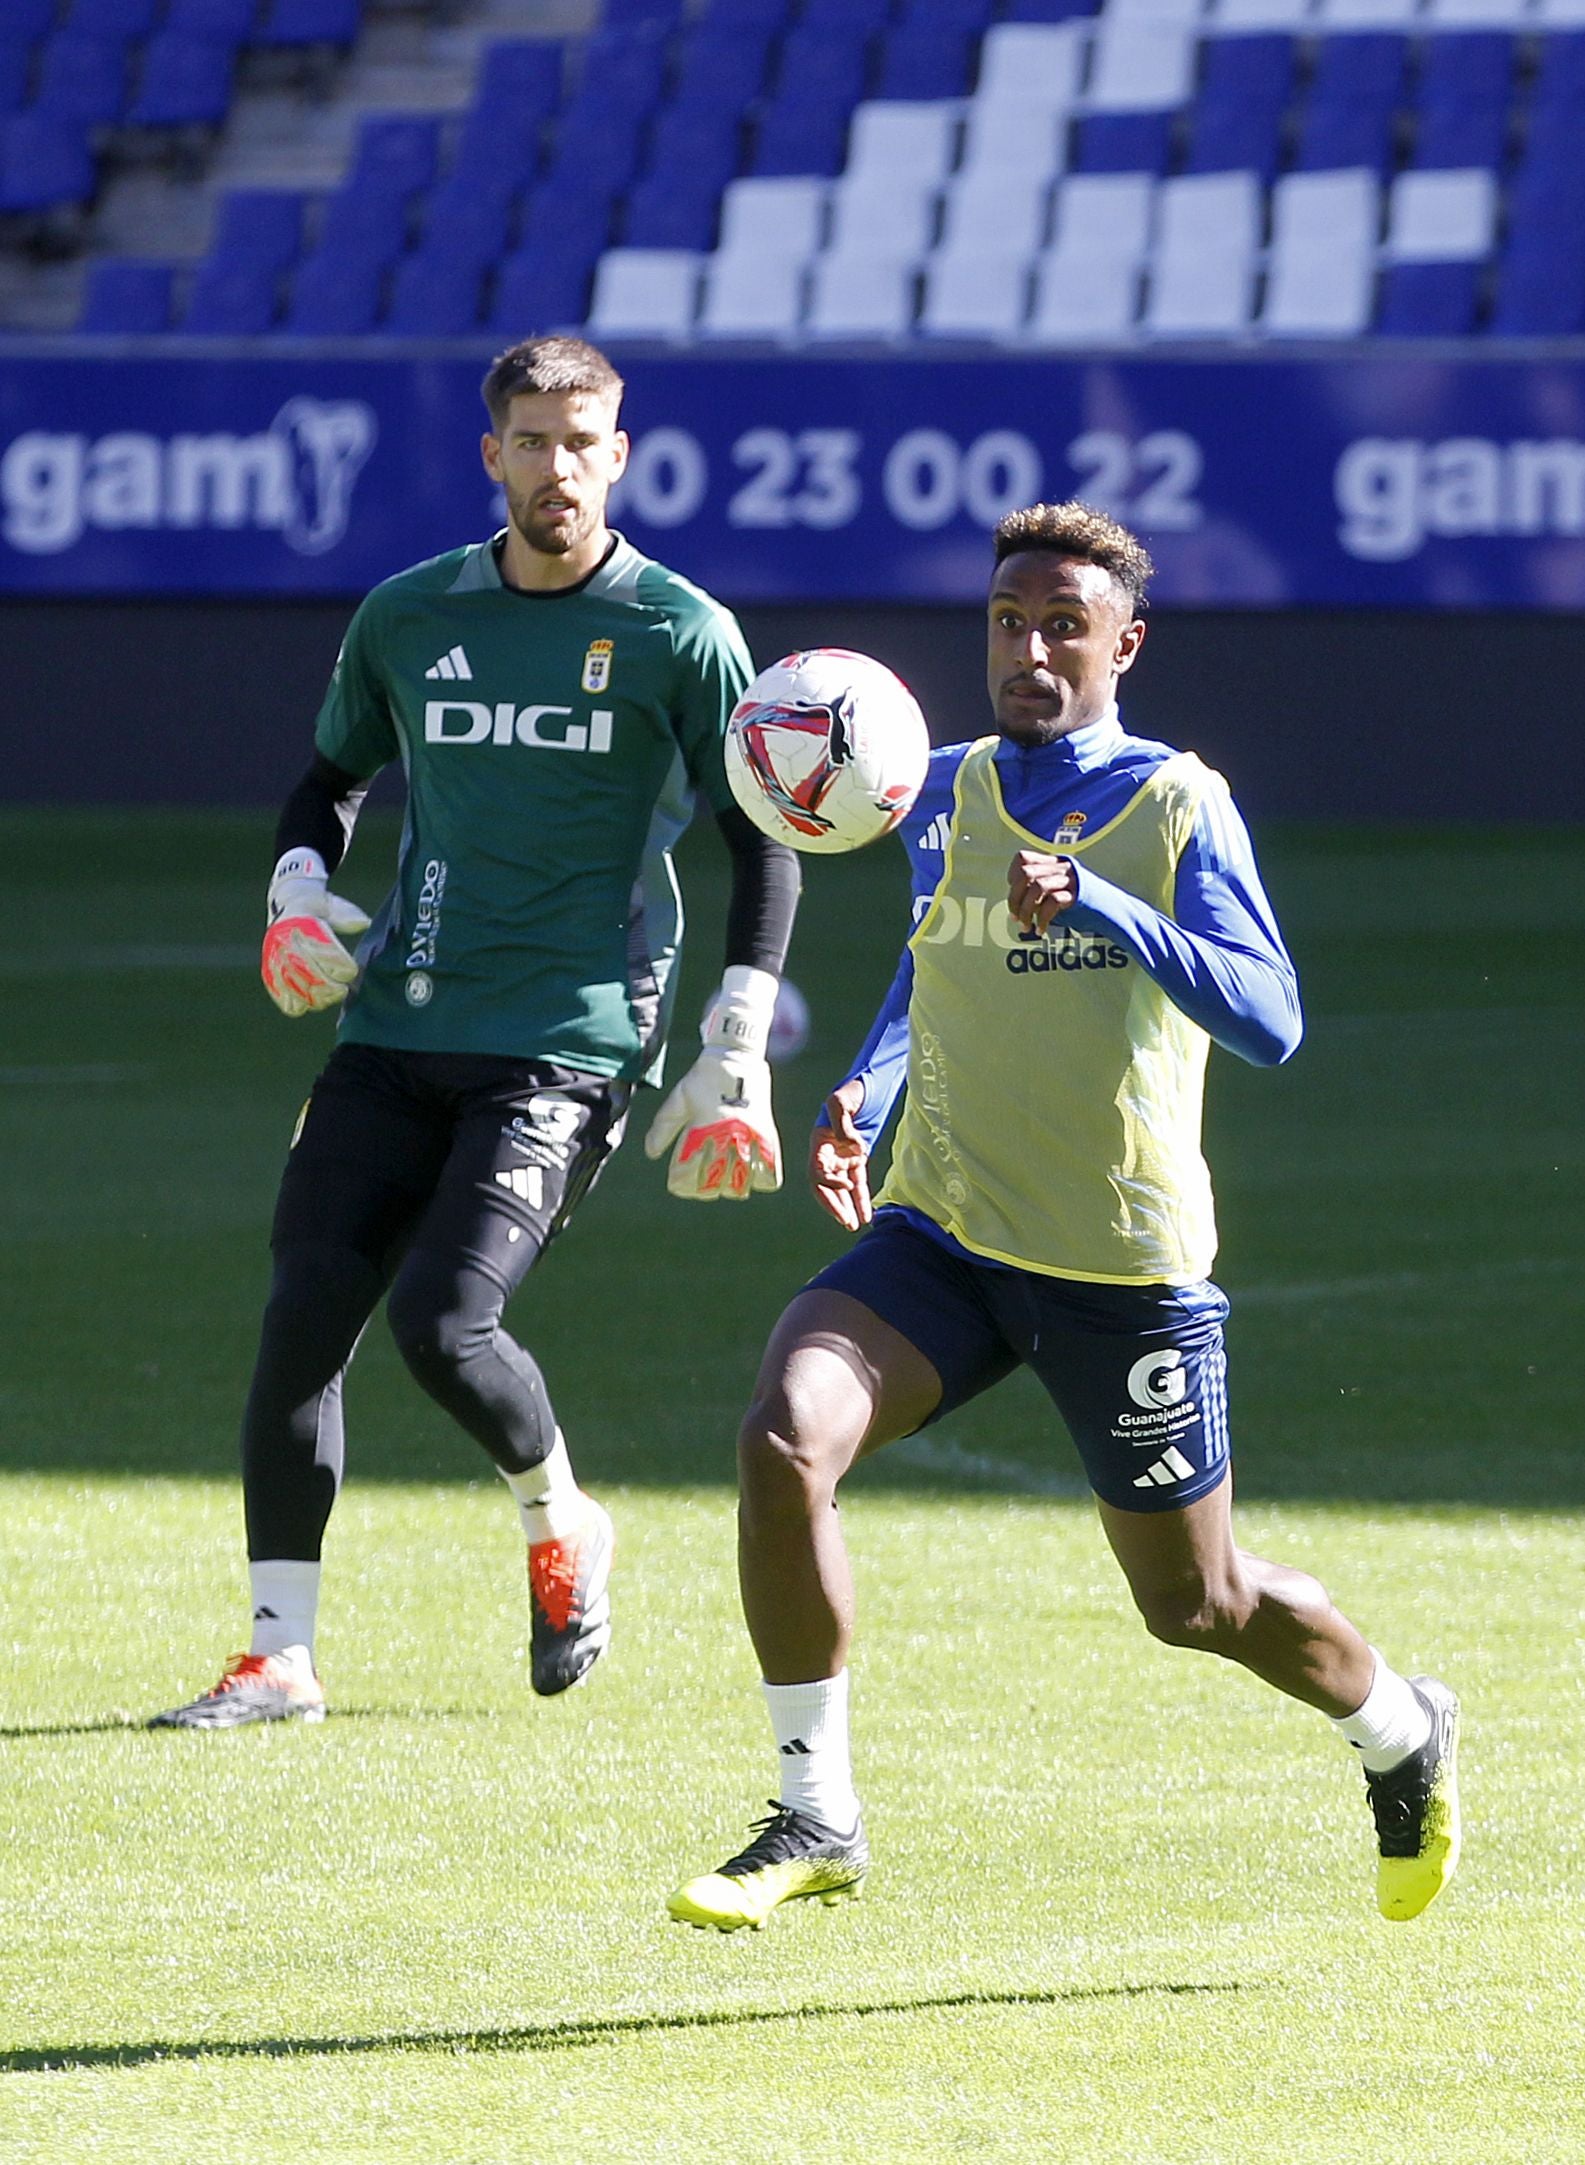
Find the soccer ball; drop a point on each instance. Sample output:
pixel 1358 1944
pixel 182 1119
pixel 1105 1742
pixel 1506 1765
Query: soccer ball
pixel 826 750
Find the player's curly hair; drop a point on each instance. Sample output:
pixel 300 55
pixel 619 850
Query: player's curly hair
pixel 1075 529
pixel 548 364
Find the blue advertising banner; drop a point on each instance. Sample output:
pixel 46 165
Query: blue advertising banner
pixel 1379 480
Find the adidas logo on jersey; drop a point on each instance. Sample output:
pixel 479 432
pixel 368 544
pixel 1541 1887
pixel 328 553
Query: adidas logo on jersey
pixel 1170 1467
pixel 454 667
pixel 935 835
pixel 526 1182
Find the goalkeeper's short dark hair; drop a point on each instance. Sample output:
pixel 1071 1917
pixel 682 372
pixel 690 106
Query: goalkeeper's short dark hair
pixel 1075 529
pixel 562 365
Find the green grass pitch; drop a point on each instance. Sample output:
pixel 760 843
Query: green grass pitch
pixel 1121 1910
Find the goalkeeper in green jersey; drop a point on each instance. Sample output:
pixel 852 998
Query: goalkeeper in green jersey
pixel 556 700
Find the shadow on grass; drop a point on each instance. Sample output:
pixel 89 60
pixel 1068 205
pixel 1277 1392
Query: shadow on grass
pixel 560 2036
pixel 139 1724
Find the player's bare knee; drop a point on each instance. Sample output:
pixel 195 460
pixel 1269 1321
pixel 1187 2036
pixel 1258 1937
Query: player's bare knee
pixel 1198 1614
pixel 784 1463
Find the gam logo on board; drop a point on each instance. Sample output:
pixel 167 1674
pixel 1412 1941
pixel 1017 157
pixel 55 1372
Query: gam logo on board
pixel 294 478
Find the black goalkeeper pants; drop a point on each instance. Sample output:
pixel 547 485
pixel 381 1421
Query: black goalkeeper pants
pixel 440 1178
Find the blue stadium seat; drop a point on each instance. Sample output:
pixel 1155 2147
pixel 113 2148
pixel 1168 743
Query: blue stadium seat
pixel 642 14
pixel 622 72
pixel 926 63
pixel 1428 300
pixel 1553 134
pixel 822 67
pixel 258 225
pixel 1345 132
pixel 221 22
pixel 596 149
pixel 186 82
pixel 233 298
pixel 525 74
pixel 797 137
pixel 1470 132
pixel 362 224
pixel 1236 138
pixel 120 19
pixel 693 146
pixel 1122 142
pixel 334 296
pixel 561 220
pixel 496 153
pixel 1048 11
pixel 972 16
pixel 396 152
pixel 843 16
pixel 1466 64
pixel 535 292
pixel 1258 68
pixel 16 72
pixel 310 22
pixel 1540 288
pixel 434 295
pixel 464 225
pixel 1367 64
pixel 122 298
pixel 663 212
pixel 1559 68
pixel 725 68
pixel 45 162
pixel 30 19
pixel 82 78
pixel 767 15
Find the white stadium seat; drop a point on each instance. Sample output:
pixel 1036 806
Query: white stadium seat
pixel 1139 67
pixel 1321 267
pixel 856 296
pixel 1442 217
pixel 1103 214
pixel 1084 301
pixel 751 296
pixel 1202 269
pixel 1240 16
pixel 1551 14
pixel 1366 14
pixel 873 216
pixel 902 140
pixel 1185 13
pixel 1001 140
pixel 975 295
pixel 645 293
pixel 1003 213
pixel 1031 66
pixel 782 218
pixel 1476 15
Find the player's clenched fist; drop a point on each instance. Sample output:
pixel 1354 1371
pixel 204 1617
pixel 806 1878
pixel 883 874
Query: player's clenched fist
pixel 304 965
pixel 1040 887
pixel 717 1122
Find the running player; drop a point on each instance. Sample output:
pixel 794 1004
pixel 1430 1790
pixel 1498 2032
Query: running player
pixel 1047 1204
pixel 555 698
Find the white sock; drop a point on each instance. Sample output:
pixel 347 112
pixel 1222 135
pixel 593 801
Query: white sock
pixel 811 1725
pixel 549 1501
pixel 1389 1726
pixel 285 1602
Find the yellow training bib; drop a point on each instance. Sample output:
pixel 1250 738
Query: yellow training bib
pixel 1054 1092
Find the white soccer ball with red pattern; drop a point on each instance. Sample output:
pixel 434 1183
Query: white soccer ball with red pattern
pixel 826 750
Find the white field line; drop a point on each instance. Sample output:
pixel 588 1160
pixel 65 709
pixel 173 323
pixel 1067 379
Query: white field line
pixel 938 1454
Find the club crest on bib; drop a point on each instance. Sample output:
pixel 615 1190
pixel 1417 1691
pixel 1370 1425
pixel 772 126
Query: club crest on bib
pixel 597 666
pixel 1072 827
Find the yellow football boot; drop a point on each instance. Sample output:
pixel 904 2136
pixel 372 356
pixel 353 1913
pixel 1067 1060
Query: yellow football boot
pixel 1416 1811
pixel 792 1854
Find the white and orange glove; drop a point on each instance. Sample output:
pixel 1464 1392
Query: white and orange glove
pixel 717 1122
pixel 304 966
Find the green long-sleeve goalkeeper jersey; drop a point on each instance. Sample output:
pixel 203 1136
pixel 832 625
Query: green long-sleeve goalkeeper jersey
pixel 552 744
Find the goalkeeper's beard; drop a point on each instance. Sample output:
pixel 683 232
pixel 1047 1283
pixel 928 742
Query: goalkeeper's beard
pixel 552 540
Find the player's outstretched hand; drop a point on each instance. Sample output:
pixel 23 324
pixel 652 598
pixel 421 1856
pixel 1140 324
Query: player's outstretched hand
pixel 304 966
pixel 1040 887
pixel 717 1123
pixel 839 1160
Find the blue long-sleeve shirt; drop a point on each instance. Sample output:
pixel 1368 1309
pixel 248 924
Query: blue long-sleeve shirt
pixel 1219 956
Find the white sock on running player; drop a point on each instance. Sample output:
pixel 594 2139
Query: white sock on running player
pixel 811 1726
pixel 1389 1726
pixel 285 1604
pixel 549 1501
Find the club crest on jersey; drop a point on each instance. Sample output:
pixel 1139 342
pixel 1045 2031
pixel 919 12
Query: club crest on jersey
pixel 597 666
pixel 1072 827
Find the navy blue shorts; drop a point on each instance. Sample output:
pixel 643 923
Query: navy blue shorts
pixel 1138 1373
